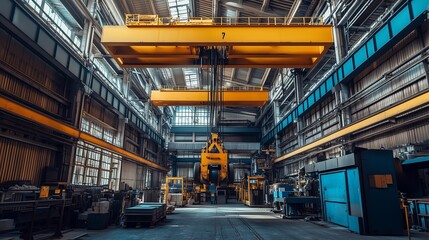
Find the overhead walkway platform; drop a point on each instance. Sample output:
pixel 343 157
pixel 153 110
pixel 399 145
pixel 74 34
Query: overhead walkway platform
pixel 270 42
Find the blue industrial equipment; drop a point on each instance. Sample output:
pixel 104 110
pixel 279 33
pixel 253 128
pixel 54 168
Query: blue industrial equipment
pixel 419 210
pixel 298 206
pixel 221 196
pixel 359 191
pixel 280 191
pixel 212 192
pixel 289 204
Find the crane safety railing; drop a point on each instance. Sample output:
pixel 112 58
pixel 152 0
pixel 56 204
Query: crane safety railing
pixel 148 20
pixel 232 88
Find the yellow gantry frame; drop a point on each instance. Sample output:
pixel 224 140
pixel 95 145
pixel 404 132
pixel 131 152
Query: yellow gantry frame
pixel 174 180
pixel 202 98
pixel 53 124
pixel 248 46
pixel 379 117
pixel 257 184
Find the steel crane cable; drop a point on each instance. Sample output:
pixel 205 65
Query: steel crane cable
pixel 208 107
pixel 221 94
pixel 215 106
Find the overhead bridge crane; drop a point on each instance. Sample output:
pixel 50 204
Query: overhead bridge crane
pixel 254 42
pixel 274 42
pixel 270 42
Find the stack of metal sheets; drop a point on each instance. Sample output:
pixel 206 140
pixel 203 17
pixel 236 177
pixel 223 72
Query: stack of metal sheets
pixel 146 214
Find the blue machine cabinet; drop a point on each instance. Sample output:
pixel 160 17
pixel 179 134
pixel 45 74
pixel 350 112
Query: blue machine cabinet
pixel 359 191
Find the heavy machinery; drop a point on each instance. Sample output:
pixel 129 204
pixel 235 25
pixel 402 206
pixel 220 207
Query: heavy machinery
pixel 359 191
pixel 214 167
pixel 289 202
pixel 251 191
pixel 177 191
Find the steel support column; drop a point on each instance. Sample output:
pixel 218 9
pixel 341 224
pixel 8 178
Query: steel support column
pixel 342 94
pixel 299 93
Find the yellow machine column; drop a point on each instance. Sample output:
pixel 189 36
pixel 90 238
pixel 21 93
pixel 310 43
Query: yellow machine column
pixel 213 168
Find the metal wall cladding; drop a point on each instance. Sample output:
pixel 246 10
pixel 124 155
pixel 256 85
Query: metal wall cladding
pixel 33 69
pixel 412 128
pixel 406 135
pixel 288 133
pixel 133 174
pixel 130 146
pixel 23 161
pixel 401 86
pixel 16 87
pixel 312 116
pixel 315 134
pixel 157 178
pixel 288 140
pixel 100 112
pixel 27 63
pixel 321 121
pixel 330 125
pixel 293 168
pixel 426 38
pixel 289 145
pixel 391 60
pixel 132 139
pixel 239 173
pixel 205 8
pixel 187 172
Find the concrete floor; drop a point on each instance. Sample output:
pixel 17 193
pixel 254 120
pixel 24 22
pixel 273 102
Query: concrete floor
pixel 232 221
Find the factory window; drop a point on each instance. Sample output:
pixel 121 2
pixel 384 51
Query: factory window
pixel 179 9
pixel 191 116
pixel 184 115
pixel 93 159
pixel 141 177
pixel 148 179
pixel 106 161
pixel 114 174
pixel 106 72
pixel 201 117
pixel 108 136
pixel 191 77
pixel 95 166
pixel 46 10
pixel 91 177
pixel 85 125
pixel 96 130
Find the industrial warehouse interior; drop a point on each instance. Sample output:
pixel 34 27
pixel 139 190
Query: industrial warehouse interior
pixel 214 119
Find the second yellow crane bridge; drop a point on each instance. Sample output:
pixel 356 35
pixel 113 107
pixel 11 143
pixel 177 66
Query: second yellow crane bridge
pixel 253 97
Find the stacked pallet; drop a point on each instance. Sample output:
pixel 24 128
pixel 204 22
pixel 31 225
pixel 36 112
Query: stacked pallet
pixel 146 214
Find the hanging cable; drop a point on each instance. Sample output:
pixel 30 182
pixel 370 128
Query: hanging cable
pixel 221 94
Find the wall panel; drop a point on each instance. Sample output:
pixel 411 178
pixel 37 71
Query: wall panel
pixel 17 88
pixel 23 161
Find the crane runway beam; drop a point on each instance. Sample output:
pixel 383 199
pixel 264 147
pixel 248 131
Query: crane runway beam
pixel 60 127
pixel 256 46
pixel 202 97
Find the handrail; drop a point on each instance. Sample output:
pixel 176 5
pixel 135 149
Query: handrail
pixel 234 88
pixel 148 20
